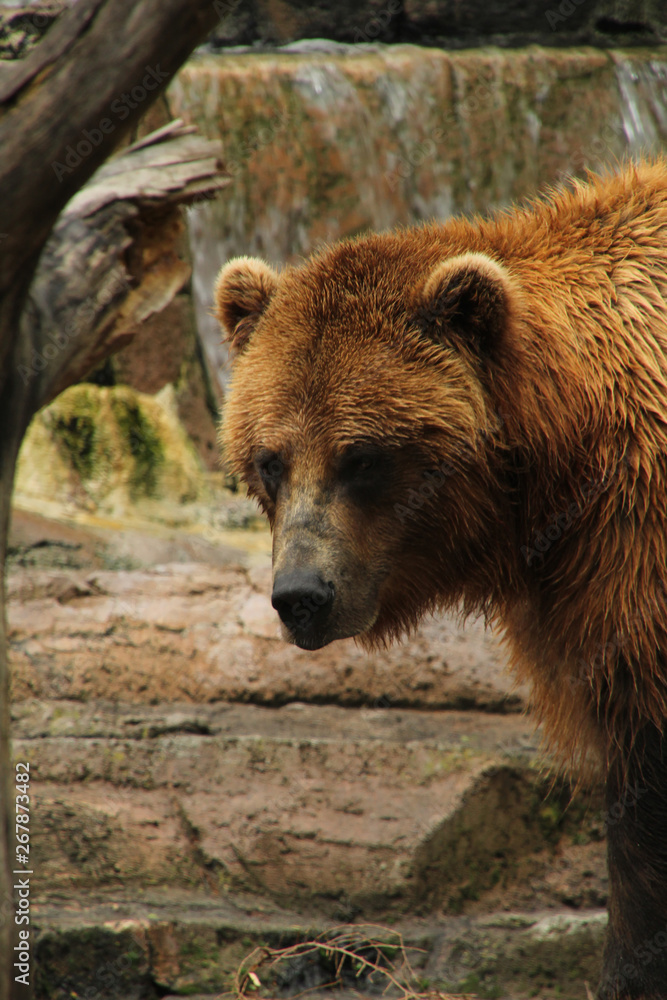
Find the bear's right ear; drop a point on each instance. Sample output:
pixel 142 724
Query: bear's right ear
pixel 243 290
pixel 467 301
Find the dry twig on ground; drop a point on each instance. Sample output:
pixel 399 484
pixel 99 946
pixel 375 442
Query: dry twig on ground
pixel 359 955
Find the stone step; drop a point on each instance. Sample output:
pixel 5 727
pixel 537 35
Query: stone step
pixel 204 631
pixel 139 947
pixel 354 811
pixel 174 828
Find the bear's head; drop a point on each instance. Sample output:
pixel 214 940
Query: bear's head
pixel 360 416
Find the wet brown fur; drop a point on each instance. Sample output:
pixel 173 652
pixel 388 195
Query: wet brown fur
pixel 559 398
pixel 525 354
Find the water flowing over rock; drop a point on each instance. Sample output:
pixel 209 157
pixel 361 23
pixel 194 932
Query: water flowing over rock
pixel 323 145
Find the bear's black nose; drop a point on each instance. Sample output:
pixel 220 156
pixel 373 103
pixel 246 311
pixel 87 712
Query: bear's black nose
pixel 302 599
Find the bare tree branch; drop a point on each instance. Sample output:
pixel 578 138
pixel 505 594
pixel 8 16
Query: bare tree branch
pixel 70 102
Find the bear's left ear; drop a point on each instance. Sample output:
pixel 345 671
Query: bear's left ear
pixel 466 301
pixel 243 290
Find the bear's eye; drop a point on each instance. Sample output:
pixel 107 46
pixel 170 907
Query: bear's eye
pixel 365 473
pixel 357 462
pixel 271 469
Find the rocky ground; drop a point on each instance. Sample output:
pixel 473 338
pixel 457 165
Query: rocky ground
pixel 200 788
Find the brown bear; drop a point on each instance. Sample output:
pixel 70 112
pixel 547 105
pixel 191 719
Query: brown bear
pixel 474 414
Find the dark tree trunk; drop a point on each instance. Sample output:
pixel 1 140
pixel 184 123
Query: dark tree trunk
pixel 75 85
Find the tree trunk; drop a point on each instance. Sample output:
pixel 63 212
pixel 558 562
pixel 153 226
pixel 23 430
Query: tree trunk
pixel 68 103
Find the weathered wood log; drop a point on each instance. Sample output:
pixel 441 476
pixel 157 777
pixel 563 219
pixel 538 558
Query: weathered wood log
pixel 111 260
pixel 70 101
pixel 22 28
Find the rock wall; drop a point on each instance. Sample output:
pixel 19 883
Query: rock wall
pixel 327 141
pixel 443 22
pixel 108 450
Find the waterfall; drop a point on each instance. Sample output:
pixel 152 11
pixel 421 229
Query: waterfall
pixel 327 144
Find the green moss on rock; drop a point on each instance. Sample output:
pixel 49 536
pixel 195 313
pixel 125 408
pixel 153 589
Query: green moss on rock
pixel 143 444
pixel 108 448
pixel 77 436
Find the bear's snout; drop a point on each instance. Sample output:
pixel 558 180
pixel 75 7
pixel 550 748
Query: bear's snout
pixel 304 602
